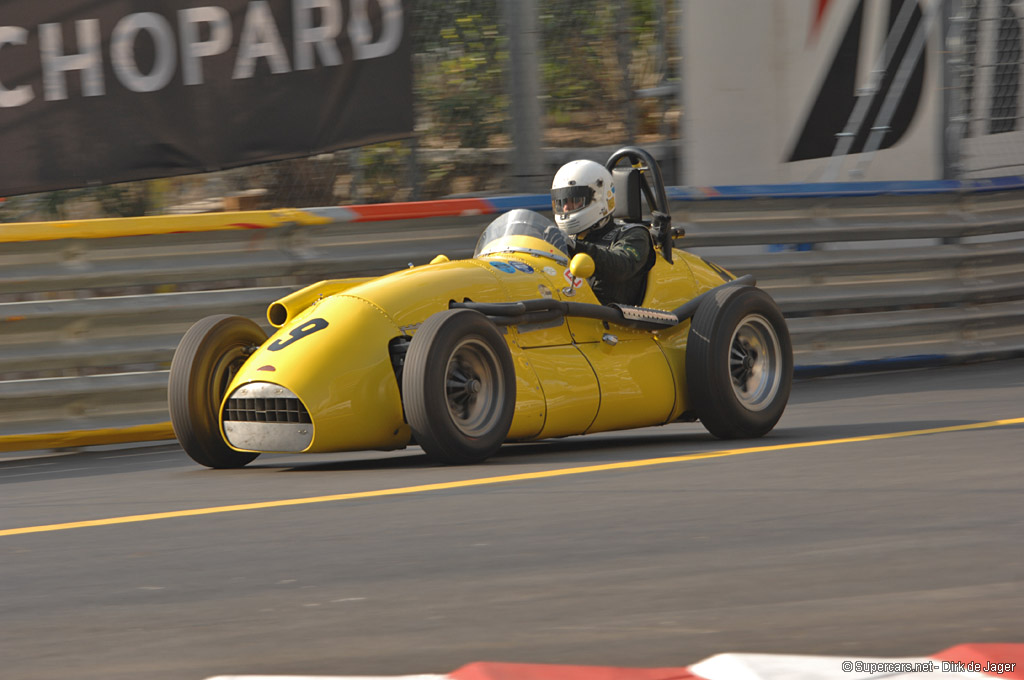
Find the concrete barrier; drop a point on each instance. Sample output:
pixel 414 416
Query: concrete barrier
pixel 868 277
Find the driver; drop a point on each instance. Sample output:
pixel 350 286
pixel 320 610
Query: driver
pixel 583 200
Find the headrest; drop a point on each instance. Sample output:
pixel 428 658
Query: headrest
pixel 627 194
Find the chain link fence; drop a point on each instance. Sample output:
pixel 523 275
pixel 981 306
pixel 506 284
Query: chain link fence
pixel 605 70
pixel 986 122
pixel 609 75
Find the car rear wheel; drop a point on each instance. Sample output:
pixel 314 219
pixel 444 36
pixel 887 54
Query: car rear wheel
pixel 206 360
pixel 739 363
pixel 458 387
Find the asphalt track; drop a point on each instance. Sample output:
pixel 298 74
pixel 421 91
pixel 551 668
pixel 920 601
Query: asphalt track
pixel 883 517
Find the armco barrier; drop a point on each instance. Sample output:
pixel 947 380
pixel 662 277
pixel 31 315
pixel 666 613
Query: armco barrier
pixel 869 276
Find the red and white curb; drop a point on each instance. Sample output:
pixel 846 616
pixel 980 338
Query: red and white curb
pixel 956 663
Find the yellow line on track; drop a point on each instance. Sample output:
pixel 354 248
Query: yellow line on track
pixel 503 479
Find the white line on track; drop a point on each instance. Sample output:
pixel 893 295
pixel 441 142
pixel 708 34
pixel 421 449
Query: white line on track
pixel 502 479
pixel 136 455
pixel 47 472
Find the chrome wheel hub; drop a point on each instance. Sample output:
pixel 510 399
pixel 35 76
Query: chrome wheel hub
pixel 755 362
pixel 473 387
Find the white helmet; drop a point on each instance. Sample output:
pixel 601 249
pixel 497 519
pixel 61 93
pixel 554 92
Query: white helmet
pixel 582 196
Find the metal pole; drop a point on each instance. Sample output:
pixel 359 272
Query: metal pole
pixel 413 168
pixel 953 119
pixel 528 174
pixel 681 169
pixel 623 40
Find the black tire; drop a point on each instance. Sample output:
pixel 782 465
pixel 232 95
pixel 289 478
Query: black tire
pixel 207 358
pixel 739 363
pixel 459 387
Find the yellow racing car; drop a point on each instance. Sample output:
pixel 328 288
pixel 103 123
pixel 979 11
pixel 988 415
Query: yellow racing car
pixel 462 356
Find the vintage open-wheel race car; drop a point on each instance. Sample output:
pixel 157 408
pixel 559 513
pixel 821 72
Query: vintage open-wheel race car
pixel 462 356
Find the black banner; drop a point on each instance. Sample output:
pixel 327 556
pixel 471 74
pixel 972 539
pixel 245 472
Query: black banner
pixel 104 91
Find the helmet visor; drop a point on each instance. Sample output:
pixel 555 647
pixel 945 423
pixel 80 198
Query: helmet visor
pixel 570 199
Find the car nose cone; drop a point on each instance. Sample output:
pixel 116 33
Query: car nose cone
pixel 262 416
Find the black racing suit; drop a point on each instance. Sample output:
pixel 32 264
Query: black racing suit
pixel 623 254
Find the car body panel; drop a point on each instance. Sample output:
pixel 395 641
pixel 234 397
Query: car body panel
pixel 285 309
pixel 672 343
pixel 532 277
pixel 352 409
pixel 409 296
pixel 531 406
pixel 570 389
pixel 670 285
pixel 636 385
pixel 573 375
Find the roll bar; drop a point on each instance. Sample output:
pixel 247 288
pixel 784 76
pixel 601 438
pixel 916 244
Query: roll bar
pixel 653 188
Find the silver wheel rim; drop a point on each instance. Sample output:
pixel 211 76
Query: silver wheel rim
pixel 755 362
pixel 473 387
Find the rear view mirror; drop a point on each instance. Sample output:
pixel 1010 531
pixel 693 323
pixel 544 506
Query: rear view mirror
pixel 582 266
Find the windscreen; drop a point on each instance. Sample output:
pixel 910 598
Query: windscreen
pixel 520 223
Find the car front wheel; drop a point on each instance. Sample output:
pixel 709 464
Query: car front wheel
pixel 206 360
pixel 458 387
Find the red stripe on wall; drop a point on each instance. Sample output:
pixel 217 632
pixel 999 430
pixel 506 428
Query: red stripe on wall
pixel 454 207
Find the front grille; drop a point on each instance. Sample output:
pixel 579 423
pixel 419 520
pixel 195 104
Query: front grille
pixel 266 410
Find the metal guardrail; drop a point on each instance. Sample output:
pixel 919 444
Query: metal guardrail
pixel 88 324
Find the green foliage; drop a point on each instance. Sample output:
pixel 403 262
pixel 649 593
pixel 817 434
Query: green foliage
pixel 382 171
pixel 459 70
pixel 300 182
pixel 574 39
pixel 579 67
pixel 593 55
pixel 132 199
